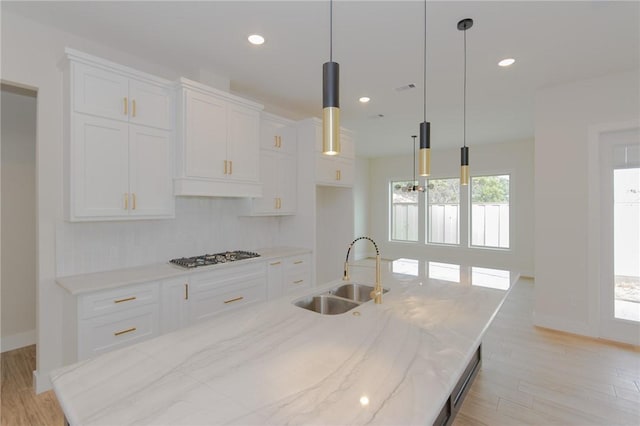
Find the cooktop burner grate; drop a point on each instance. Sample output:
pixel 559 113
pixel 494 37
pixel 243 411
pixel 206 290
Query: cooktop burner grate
pixel 213 259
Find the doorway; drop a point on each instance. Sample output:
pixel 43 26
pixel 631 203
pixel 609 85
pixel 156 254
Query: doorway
pixel 18 217
pixel 620 235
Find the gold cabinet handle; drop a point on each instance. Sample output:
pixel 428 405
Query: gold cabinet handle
pixel 230 167
pixel 186 291
pixel 128 299
pixel 128 330
pixel 236 299
pixel 337 174
pixel 225 167
pixel 275 203
pixel 297 262
pixel 126 106
pixel 275 263
pixel 279 141
pixel 276 141
pixel 133 108
pixel 126 201
pixel 298 282
pixel 134 201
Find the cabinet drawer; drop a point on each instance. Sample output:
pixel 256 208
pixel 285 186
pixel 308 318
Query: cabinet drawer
pixel 298 264
pixel 118 299
pixel 297 280
pixel 105 333
pixel 207 281
pixel 226 298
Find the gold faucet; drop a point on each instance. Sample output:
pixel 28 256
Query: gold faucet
pixel 376 294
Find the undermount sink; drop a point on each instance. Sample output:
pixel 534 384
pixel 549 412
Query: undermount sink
pixel 326 304
pixel 337 300
pixel 356 292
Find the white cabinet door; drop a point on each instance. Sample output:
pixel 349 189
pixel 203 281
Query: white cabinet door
pixel 288 184
pixel 150 105
pixel 269 175
pixel 243 144
pixel 175 304
pixel 99 176
pixel 334 171
pixel 99 92
pixel 150 172
pixel 275 271
pixel 206 136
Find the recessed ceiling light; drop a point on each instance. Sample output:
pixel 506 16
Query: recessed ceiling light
pixel 506 62
pixel 364 99
pixel 256 39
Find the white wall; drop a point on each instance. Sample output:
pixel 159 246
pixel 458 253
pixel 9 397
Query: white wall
pixel 18 288
pixel 361 206
pixel 514 158
pixel 566 273
pixel 31 55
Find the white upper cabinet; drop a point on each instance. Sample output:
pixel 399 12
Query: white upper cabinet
pixel 119 140
pixel 332 170
pixel 109 94
pixel 278 167
pixel 218 143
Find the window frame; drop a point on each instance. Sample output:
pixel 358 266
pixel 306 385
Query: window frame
pixel 509 174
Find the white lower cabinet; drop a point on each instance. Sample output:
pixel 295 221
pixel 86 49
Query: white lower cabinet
pixel 111 319
pixel 103 320
pixel 175 304
pixel 213 293
pixel 288 274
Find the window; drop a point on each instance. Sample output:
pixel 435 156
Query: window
pixel 443 211
pixel 404 212
pixel 490 211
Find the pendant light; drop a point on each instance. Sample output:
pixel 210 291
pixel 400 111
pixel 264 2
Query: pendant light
pixel 463 26
pixel 425 127
pixel 330 98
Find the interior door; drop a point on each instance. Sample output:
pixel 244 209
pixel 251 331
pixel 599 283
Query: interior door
pixel 620 236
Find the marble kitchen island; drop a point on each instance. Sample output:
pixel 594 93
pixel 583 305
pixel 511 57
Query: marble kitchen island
pixel 276 363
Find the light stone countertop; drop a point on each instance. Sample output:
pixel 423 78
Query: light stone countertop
pixel 86 283
pixel 275 363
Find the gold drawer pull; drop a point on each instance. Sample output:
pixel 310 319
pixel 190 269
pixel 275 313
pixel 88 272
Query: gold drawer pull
pixel 276 144
pixel 134 200
pixel 298 282
pixel 128 330
pixel 125 300
pixel 275 263
pixel 226 167
pixel 234 300
pixel 230 167
pixel 297 262
pixel 133 103
pixel 126 201
pixel 126 106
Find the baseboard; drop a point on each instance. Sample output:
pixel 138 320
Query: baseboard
pixel 17 341
pixel 562 324
pixel 41 382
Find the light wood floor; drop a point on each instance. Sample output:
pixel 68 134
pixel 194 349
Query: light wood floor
pixel 529 376
pixel 534 376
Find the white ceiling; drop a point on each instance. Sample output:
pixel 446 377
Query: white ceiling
pixel 379 45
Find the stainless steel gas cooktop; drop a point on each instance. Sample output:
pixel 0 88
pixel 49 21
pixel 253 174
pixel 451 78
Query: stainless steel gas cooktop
pixel 213 259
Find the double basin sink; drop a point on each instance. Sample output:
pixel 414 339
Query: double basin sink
pixel 337 300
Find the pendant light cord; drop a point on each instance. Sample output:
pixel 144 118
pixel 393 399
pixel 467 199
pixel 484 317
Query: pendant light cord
pixel 414 159
pixel 424 95
pixel 330 30
pixel 464 94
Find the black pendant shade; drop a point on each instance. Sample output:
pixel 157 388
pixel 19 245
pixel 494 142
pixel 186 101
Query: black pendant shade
pixel 424 163
pixel 330 85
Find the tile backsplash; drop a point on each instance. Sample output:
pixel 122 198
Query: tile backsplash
pixel 202 225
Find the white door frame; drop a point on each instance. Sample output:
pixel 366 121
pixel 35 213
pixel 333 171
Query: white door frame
pixel 597 327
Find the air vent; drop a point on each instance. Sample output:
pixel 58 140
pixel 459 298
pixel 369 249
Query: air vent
pixel 405 87
pixel 376 116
